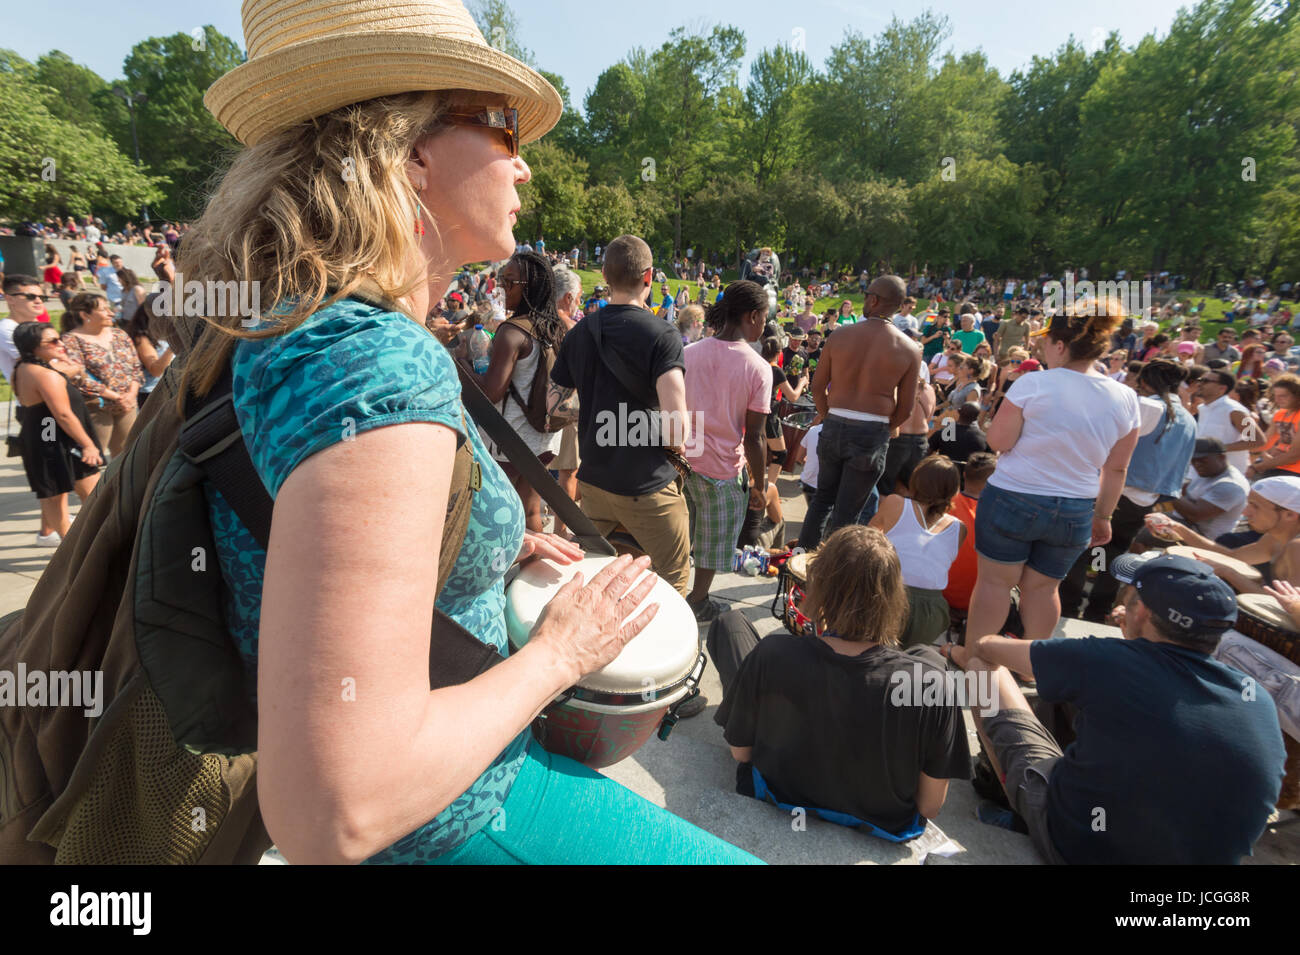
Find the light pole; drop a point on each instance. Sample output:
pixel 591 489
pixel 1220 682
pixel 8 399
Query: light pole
pixel 131 99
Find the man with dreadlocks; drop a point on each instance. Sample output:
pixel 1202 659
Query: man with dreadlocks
pixel 532 324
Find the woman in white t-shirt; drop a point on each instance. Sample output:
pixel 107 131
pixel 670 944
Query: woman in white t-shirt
pixel 1065 437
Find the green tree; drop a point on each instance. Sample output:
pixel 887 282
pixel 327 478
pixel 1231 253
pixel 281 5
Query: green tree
pixel 1167 152
pixel 76 92
pixel 771 135
pixel 870 97
pixel 680 123
pixel 179 138
pixel 981 215
pixel 553 204
pixel 500 27
pixel 48 165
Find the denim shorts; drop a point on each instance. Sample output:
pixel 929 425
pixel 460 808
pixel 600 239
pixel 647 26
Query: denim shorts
pixel 1046 533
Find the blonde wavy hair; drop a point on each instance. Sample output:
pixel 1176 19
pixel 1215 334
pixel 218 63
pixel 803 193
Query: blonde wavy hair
pixel 311 214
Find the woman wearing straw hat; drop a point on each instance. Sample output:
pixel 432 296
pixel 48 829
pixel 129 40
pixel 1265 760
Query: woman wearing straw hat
pixel 382 154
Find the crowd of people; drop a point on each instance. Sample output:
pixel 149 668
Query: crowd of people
pixel 963 467
pixel 984 477
pixel 110 349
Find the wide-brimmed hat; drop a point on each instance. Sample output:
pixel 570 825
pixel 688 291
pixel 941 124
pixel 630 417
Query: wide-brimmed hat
pixel 308 57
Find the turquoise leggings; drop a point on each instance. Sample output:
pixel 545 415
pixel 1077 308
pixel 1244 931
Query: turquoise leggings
pixel 560 812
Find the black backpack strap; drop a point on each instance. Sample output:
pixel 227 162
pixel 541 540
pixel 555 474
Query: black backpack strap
pixel 517 452
pixel 212 440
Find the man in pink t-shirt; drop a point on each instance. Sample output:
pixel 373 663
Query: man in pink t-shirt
pixel 729 395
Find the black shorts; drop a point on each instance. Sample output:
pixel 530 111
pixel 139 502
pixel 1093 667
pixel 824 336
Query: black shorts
pixel 1026 753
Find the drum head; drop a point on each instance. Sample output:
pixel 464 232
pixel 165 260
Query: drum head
pixel 1217 560
pixel 659 656
pixel 1267 608
pixel 799 566
pixel 800 419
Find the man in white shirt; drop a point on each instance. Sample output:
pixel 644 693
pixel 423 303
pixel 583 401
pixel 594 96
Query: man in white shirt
pixel 905 321
pixel 1214 500
pixel 1225 420
pixel 26 301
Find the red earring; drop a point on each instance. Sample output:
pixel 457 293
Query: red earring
pixel 419 219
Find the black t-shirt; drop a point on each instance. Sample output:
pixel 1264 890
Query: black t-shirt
pixel 1178 759
pixel 618 433
pixel 966 440
pixel 826 734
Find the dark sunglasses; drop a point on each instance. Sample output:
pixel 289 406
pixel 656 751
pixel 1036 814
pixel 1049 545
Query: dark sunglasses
pixel 30 296
pixel 51 341
pixel 505 119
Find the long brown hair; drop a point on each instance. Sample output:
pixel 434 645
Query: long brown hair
pixel 855 586
pixel 311 214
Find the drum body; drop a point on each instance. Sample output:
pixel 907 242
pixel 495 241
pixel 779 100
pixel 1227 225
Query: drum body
pixel 794 427
pixel 609 714
pixel 1217 561
pixel 1262 618
pixel 791 591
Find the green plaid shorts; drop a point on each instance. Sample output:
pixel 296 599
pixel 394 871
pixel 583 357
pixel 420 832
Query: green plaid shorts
pixel 717 509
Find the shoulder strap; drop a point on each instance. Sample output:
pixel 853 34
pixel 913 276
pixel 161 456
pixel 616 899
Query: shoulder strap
pixel 617 367
pixel 211 438
pixel 516 451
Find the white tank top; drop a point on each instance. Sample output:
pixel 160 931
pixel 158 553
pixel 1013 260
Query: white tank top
pixel 924 555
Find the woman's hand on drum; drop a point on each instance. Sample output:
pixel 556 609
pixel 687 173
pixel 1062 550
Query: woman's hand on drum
pixel 551 546
pixel 584 622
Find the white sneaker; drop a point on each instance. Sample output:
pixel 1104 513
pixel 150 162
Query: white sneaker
pixel 52 539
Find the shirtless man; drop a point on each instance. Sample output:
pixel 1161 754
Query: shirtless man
pixel 908 445
pixel 875 369
pixel 1273 509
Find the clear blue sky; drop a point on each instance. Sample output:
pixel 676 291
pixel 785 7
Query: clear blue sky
pixel 579 38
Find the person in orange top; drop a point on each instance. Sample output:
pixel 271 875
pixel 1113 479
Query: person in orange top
pixel 961 575
pixel 1280 451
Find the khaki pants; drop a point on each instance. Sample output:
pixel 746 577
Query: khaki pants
pixel 658 521
pixel 111 430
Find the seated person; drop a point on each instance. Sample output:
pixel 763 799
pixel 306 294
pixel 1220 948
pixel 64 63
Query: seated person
pixel 961 575
pixel 1213 501
pixel 1273 510
pixel 845 747
pixel 765 526
pixel 958 438
pixel 1195 786
pixel 927 538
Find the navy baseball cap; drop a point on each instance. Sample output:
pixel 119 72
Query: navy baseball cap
pixel 1179 590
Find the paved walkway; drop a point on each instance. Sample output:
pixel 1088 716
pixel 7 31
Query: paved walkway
pixel 692 774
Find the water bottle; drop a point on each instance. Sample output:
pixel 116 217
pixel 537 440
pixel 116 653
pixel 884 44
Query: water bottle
pixel 478 350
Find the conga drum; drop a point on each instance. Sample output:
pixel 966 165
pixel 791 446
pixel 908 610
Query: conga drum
pixel 794 427
pixel 791 592
pixel 609 714
pixel 1219 561
pixel 1262 618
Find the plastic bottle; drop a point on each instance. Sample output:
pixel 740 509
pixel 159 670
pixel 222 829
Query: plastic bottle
pixel 478 349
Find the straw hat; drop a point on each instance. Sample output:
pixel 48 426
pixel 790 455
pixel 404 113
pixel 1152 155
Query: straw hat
pixel 308 57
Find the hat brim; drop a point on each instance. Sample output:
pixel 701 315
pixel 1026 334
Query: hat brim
pixel 303 80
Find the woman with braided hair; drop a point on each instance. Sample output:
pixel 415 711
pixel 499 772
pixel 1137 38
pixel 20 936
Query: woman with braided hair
pixel 1157 470
pixel 532 324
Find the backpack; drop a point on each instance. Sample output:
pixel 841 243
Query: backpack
pixel 534 408
pixel 165 772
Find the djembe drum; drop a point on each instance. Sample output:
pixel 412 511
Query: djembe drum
pixel 609 714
